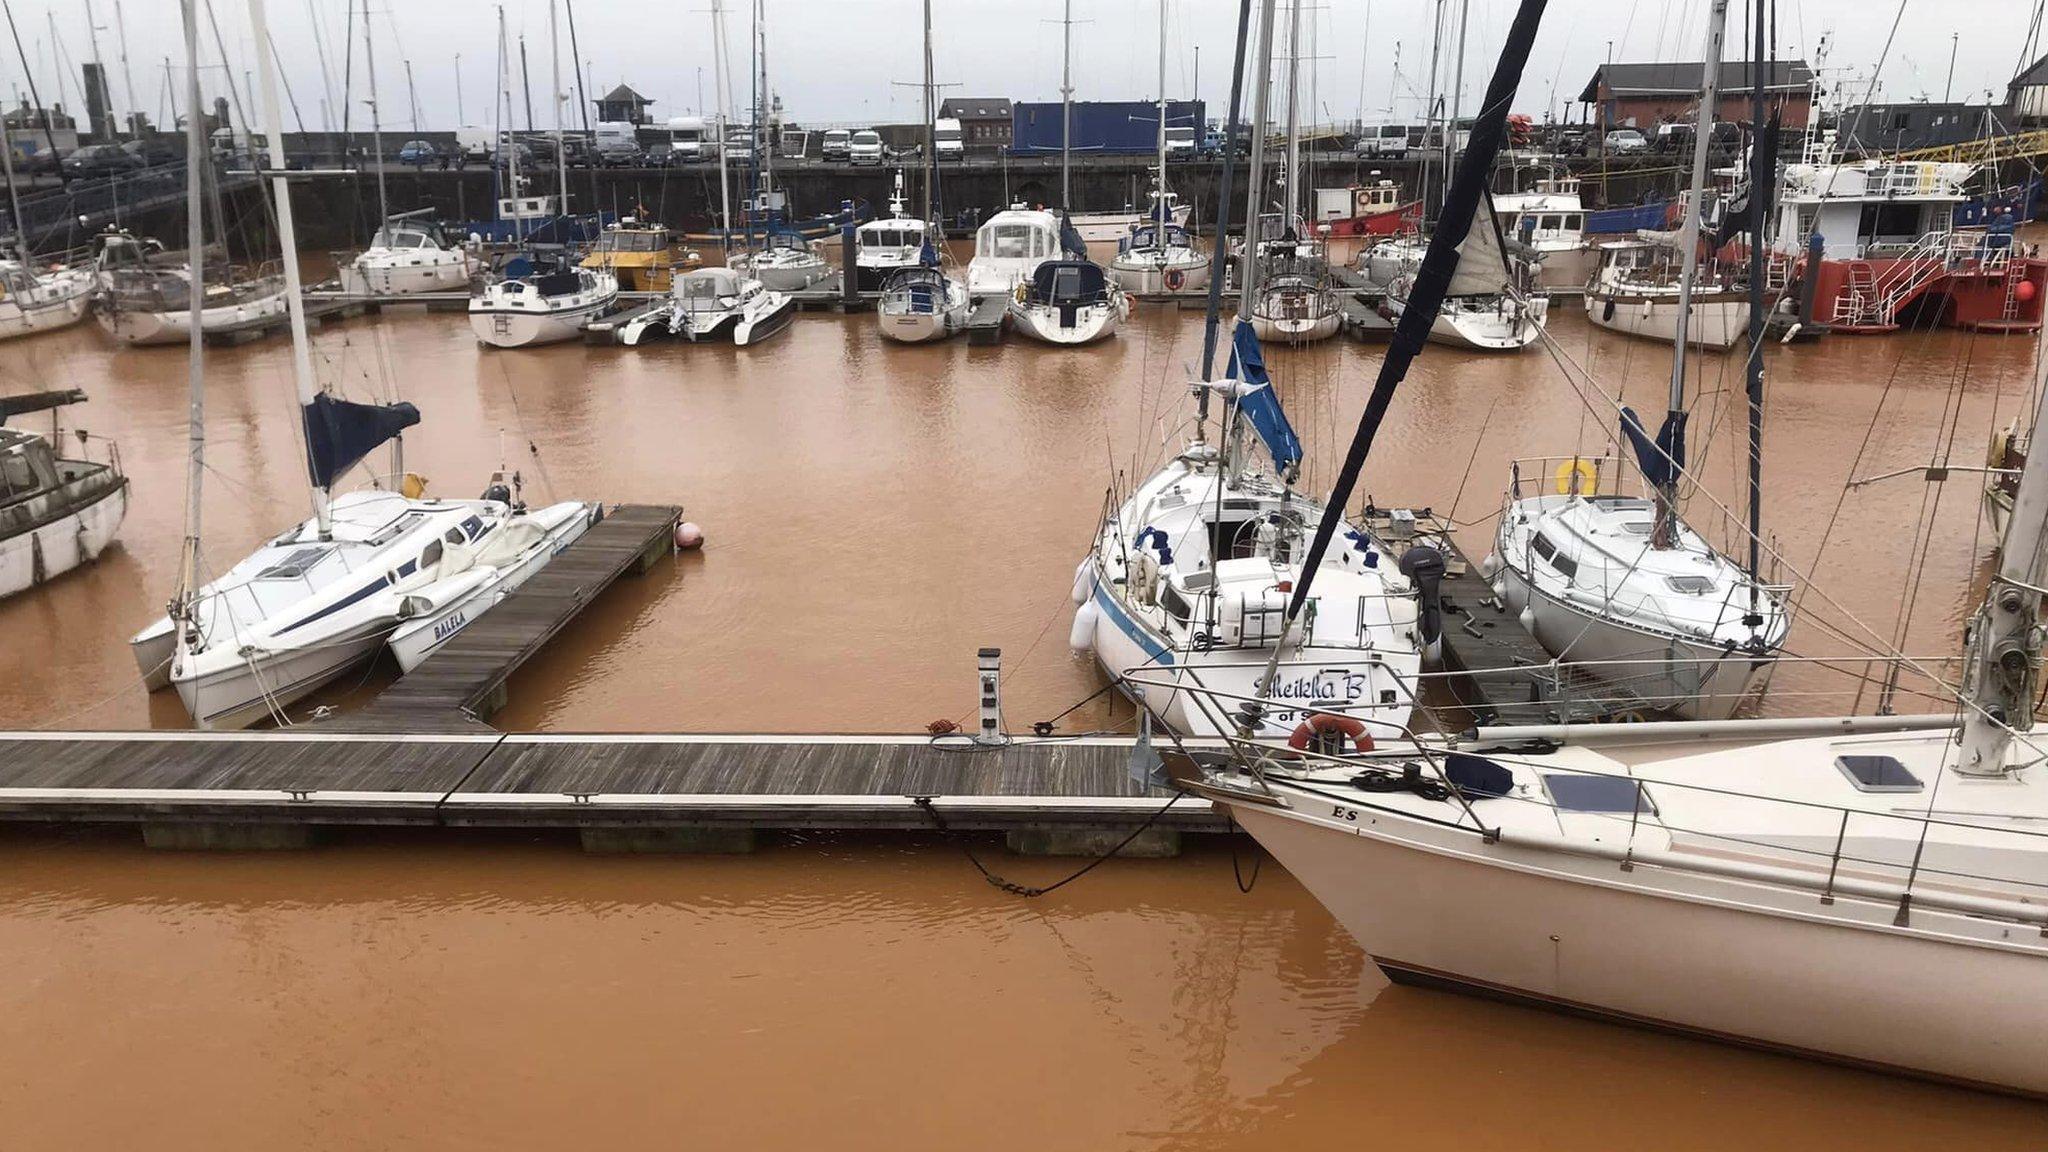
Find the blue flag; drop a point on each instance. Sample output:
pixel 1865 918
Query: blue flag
pixel 1257 400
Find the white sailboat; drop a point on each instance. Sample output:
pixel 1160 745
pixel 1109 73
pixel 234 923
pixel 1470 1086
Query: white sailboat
pixel 141 298
pixel 786 262
pixel 920 303
pixel 713 304
pixel 319 598
pixel 1489 306
pixel 32 303
pixel 1623 586
pixel 1156 255
pixel 1294 302
pixel 1188 582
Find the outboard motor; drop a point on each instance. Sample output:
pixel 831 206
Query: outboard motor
pixel 1425 566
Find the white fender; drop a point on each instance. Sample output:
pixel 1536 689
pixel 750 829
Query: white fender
pixel 1081 637
pixel 1490 565
pixel 1084 580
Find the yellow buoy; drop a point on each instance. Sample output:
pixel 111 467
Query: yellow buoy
pixel 1577 475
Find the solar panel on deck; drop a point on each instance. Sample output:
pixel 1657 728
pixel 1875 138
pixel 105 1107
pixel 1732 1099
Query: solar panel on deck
pixel 1572 792
pixel 1878 773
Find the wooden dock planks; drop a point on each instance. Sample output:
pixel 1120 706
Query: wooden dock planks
pixel 464 679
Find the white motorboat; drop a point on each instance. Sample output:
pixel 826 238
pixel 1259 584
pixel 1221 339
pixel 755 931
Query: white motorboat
pixel 1636 291
pixel 923 304
pixel 1009 247
pixel 1159 258
pixel 1189 578
pixel 1069 301
pixel 56 513
pixel 787 263
pixel 541 307
pixel 712 304
pixel 473 573
pixel 884 247
pixel 1550 221
pixel 1679 628
pixel 143 300
pixel 31 303
pixel 408 255
pixel 1112 227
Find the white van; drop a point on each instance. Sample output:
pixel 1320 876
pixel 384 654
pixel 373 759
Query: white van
pixel 1180 142
pixel 946 141
pixel 866 147
pixel 838 144
pixel 689 140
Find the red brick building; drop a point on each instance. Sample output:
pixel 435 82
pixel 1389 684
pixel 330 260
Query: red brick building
pixel 1643 96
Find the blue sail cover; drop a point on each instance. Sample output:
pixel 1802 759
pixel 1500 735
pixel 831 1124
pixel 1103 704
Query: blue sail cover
pixel 1661 459
pixel 1257 400
pixel 340 432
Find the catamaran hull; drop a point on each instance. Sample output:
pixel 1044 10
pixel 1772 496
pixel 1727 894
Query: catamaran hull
pixel 1089 323
pixel 513 328
pixel 70 541
pixel 253 690
pixel 144 328
pixel 419 638
pixel 1718 320
pixel 17 319
pixel 1716 958
pixel 764 323
pixel 1695 680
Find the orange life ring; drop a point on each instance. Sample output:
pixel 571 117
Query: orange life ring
pixel 1324 723
pixel 1174 279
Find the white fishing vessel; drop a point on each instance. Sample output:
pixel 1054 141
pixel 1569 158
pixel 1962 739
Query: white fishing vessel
pixel 57 513
pixel 32 302
pixel 142 298
pixel 922 305
pixel 785 263
pixel 1549 220
pixel 713 304
pixel 315 601
pixel 1636 290
pixel 540 307
pixel 1069 301
pixel 1009 247
pixel 410 254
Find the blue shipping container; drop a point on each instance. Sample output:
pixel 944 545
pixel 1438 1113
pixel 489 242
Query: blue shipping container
pixel 1124 126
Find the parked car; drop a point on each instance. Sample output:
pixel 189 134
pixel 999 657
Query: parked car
pixel 838 144
pixel 866 147
pixel 520 152
pixel 152 152
pixel 658 154
pixel 1626 142
pixel 418 153
pixel 100 160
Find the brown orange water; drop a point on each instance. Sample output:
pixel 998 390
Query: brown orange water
pixel 875 514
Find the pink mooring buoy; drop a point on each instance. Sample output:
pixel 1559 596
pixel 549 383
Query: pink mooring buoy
pixel 689 537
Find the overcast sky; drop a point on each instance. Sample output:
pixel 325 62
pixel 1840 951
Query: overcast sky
pixel 842 61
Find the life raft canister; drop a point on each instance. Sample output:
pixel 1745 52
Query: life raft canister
pixel 1321 725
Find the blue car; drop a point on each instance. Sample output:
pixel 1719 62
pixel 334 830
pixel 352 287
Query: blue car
pixel 418 152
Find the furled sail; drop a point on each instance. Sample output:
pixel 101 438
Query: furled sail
pixel 1482 262
pixel 1255 399
pixel 1662 459
pixel 341 432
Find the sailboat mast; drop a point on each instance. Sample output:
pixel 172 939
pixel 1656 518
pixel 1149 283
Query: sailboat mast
pixel 931 129
pixel 1763 172
pixel 288 242
pixel 195 364
pixel 1457 97
pixel 1159 194
pixel 1664 534
pixel 376 122
pixel 1067 108
pixel 555 98
pixel 1218 250
pixel 1247 273
pixel 719 78
pixel 1429 111
pixel 14 201
pixel 1293 193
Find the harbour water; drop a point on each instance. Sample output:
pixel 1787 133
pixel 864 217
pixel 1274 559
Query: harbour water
pixel 875 514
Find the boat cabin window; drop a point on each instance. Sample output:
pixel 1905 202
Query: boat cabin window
pixel 1574 222
pixel 430 555
pixel 1575 792
pixel 630 242
pixel 293 566
pixel 1549 223
pixel 1015 241
pixel 1175 604
pixel 18 475
pixel 397 527
pixel 1691 585
pixel 1878 774
pixel 1541 545
pixel 1893 222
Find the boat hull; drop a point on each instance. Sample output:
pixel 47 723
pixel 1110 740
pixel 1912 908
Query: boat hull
pixel 1110 227
pixel 1089 323
pixel 1296 329
pixel 922 327
pixel 1718 321
pixel 255 690
pixel 18 320
pixel 1697 681
pixel 175 327
pixel 520 328
pixel 406 274
pixel 1154 278
pixel 67 542
pixel 1727 961
pixel 421 637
